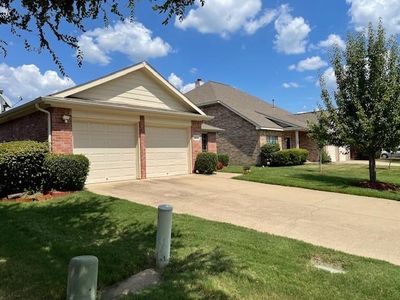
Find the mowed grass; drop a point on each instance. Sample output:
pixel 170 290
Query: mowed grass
pixel 334 178
pixel 210 260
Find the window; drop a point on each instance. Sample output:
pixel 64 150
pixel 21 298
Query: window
pixel 204 142
pixel 272 139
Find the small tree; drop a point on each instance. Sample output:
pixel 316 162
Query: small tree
pixel 319 132
pixel 366 112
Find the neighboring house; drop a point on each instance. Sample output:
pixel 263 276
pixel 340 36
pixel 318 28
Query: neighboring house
pixel 249 123
pixel 131 124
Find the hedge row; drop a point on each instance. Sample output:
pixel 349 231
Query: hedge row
pixel 289 157
pixel 27 166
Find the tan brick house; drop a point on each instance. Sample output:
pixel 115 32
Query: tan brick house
pixel 131 124
pixel 249 123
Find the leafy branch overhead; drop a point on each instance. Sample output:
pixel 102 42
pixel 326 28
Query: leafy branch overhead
pixel 39 22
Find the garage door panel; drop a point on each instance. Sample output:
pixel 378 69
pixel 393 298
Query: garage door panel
pixel 110 148
pixel 167 151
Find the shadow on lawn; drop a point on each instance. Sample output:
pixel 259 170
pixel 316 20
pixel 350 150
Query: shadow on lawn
pixel 336 181
pixel 38 240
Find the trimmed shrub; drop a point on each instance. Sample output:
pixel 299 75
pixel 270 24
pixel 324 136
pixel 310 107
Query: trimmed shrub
pixel 206 163
pixel 21 166
pixel 65 172
pixel 266 152
pixel 289 157
pixel 326 158
pixel 223 158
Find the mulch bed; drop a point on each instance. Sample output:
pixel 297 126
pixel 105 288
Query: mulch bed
pixel 381 186
pixel 37 198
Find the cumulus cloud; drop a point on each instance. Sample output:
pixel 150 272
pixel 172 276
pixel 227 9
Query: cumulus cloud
pixel 363 12
pixel 177 82
pixel 291 33
pixel 130 38
pixel 331 41
pixel 225 17
pixel 330 79
pixel 288 85
pixel 308 64
pixel 28 82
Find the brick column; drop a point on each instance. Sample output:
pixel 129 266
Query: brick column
pixel 142 147
pixel 196 140
pixel 61 132
pixel 212 142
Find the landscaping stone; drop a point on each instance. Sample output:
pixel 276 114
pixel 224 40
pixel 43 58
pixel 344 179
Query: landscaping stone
pixel 133 284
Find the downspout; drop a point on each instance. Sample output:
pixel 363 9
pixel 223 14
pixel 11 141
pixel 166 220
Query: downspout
pixel 48 123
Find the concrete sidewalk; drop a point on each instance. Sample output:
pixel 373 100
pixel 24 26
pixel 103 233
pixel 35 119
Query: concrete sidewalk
pixel 353 224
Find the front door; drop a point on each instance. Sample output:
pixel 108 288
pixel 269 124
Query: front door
pixel 287 142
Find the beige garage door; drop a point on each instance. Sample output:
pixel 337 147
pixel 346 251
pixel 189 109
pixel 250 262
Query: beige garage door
pixel 167 151
pixel 111 149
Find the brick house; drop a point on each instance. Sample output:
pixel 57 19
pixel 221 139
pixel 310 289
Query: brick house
pixel 250 122
pixel 131 124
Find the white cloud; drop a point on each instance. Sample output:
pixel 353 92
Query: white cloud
pixel 330 79
pixel 225 17
pixel 28 82
pixel 193 70
pixel 292 33
pixel 288 85
pixel 331 41
pixel 364 11
pixel 130 38
pixel 308 64
pixel 179 84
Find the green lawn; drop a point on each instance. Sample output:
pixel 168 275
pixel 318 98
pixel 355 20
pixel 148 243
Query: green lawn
pixel 335 178
pixel 210 260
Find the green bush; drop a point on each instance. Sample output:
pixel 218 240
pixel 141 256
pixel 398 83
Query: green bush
pixel 266 152
pixel 21 166
pixel 65 172
pixel 289 157
pixel 223 158
pixel 206 163
pixel 326 158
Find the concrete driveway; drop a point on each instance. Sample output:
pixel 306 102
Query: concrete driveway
pixel 353 224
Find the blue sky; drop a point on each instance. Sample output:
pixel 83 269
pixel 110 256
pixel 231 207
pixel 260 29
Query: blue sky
pixel 270 49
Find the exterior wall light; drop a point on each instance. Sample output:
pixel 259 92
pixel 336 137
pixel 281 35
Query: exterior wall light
pixel 66 118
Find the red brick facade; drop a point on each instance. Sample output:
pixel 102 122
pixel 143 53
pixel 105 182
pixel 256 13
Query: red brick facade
pixel 212 142
pixel 196 140
pixel 61 131
pixel 31 127
pixel 142 147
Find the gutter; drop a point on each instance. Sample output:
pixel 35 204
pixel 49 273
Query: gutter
pixel 48 123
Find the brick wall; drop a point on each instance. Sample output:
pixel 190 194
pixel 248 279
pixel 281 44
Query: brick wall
pixel 212 142
pixel 30 127
pixel 196 143
pixel 310 145
pixel 61 132
pixel 240 140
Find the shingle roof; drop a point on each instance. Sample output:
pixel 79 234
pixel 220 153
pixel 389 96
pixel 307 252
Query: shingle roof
pixel 209 128
pixel 253 109
pixel 307 116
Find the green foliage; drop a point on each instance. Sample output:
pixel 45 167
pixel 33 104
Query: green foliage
pixel 65 172
pixel 266 152
pixel 223 158
pixel 326 158
pixel 364 111
pixel 43 20
pixel 21 166
pixel 289 157
pixel 206 163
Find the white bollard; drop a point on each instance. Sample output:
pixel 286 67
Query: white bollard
pixel 163 243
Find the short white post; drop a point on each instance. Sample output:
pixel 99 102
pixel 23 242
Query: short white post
pixel 82 278
pixel 163 243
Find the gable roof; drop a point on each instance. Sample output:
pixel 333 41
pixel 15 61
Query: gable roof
pixel 310 116
pixel 70 92
pixel 261 114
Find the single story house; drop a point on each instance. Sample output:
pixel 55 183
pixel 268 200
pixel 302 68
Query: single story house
pixel 131 124
pixel 249 123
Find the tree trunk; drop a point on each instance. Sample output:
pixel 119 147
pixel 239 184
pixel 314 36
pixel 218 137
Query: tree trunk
pixel 320 160
pixel 372 168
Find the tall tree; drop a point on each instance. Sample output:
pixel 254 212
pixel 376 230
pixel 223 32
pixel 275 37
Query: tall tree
pixel 319 132
pixel 364 111
pixel 43 20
